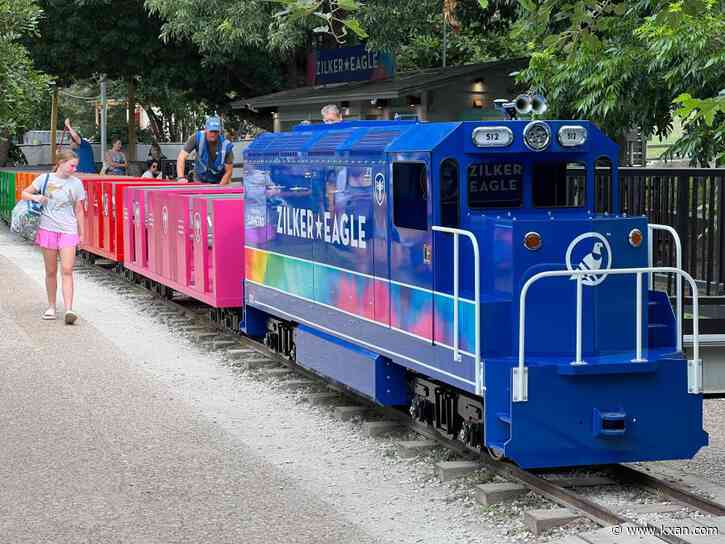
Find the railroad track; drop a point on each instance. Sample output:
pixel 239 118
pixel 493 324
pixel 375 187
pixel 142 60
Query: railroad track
pixel 193 317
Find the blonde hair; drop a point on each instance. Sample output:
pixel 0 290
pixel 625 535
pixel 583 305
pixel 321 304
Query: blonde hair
pixel 64 155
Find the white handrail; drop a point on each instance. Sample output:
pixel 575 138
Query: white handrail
pixel 678 263
pixel 476 299
pixel 520 386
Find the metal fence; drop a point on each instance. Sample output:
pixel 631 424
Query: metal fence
pixel 693 202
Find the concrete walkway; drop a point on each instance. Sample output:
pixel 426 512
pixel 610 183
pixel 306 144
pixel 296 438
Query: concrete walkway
pixel 93 450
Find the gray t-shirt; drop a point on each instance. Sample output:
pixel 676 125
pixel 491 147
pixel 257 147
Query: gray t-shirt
pixel 59 214
pixel 190 146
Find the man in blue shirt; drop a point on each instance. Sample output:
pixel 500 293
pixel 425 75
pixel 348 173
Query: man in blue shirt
pixel 83 149
pixel 214 155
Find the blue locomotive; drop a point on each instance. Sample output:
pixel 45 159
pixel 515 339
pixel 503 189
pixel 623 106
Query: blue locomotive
pixel 479 273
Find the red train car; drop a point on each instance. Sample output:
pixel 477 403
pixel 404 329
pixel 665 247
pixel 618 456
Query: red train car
pixel 96 209
pixel 111 243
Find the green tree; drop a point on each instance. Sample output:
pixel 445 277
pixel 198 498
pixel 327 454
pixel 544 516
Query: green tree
pixel 23 87
pixel 122 39
pixel 412 29
pixel 629 64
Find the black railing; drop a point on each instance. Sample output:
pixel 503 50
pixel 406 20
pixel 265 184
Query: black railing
pixel 693 202
pixel 168 168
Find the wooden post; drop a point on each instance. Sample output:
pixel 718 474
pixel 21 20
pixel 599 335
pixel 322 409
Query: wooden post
pixel 53 124
pixel 131 120
pixel 276 122
pixel 421 109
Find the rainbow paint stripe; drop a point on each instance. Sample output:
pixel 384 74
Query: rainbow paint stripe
pixel 412 310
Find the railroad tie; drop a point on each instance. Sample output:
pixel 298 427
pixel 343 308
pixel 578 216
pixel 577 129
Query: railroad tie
pixel 539 521
pixel 450 470
pixel 413 448
pixel 346 413
pixel 381 428
pixel 497 492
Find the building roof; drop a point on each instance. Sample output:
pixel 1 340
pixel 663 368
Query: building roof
pixel 401 85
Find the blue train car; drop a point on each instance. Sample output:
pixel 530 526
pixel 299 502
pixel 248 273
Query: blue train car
pixel 477 272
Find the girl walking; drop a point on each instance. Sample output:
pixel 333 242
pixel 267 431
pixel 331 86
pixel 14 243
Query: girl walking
pixel 60 229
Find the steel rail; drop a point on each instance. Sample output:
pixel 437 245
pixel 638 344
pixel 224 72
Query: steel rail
pixel 669 489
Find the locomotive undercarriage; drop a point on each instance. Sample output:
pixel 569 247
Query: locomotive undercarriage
pixel 280 338
pixel 453 413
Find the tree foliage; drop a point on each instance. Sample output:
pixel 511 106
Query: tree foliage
pixel 629 64
pixel 23 87
pixel 174 80
pixel 413 31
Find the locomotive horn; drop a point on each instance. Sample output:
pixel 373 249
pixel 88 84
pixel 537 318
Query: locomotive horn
pixel 523 104
pixel 538 104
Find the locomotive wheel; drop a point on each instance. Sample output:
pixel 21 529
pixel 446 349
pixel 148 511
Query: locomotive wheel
pixel 496 456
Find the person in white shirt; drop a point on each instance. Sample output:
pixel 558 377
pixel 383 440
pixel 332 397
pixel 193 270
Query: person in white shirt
pixel 61 227
pixel 153 170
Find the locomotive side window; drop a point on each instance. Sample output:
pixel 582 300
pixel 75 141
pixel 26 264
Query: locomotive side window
pixel 495 185
pixel 559 184
pixel 410 195
pixel 449 193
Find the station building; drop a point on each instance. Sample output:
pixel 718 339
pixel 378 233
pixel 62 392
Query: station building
pixel 364 85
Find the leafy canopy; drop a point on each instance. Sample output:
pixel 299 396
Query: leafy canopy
pixel 23 87
pixel 631 64
pixel 122 40
pixel 624 65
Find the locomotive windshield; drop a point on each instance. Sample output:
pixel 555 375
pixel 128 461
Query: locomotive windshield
pixel 500 184
pixel 559 184
pixel 495 184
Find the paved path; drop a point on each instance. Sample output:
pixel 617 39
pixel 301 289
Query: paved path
pixel 93 450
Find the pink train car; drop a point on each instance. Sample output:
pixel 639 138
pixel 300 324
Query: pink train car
pixel 160 239
pixel 136 219
pixel 170 211
pixel 217 250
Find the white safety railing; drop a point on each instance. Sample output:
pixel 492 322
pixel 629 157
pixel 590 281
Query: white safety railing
pixel 456 233
pixel 694 368
pixel 678 264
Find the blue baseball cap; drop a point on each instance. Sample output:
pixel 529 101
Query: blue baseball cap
pixel 214 124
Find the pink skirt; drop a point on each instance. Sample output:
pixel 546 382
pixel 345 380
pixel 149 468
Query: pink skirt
pixel 55 240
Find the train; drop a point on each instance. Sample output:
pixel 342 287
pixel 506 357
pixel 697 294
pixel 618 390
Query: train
pixel 478 274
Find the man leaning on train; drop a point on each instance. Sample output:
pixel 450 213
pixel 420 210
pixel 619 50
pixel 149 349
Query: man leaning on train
pixel 214 155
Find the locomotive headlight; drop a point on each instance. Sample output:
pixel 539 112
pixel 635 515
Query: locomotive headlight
pixel 537 136
pixel 572 135
pixel 532 241
pixel 635 237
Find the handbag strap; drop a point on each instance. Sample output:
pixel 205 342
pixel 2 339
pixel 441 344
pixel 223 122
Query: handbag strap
pixel 45 184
